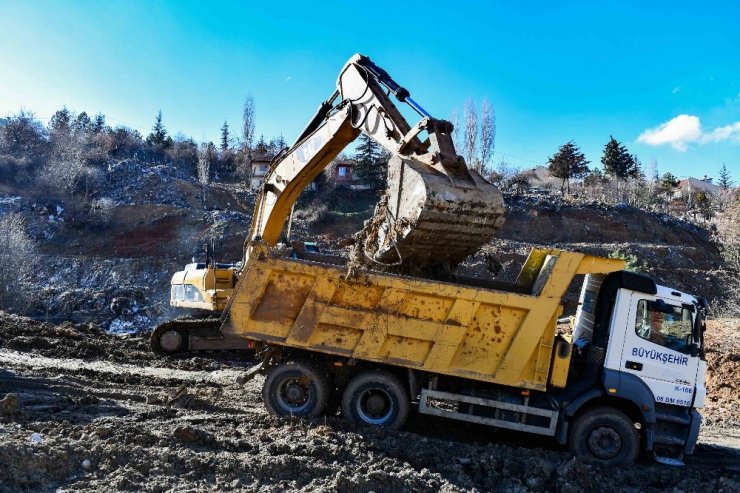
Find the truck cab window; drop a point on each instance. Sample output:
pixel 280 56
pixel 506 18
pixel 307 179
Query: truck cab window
pixel 664 324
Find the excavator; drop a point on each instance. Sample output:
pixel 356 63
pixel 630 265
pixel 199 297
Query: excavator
pixel 435 212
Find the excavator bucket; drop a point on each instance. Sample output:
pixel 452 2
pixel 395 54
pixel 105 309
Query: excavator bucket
pixel 431 217
pixel 435 211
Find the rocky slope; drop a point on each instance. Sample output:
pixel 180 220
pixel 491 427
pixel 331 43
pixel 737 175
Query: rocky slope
pixel 114 266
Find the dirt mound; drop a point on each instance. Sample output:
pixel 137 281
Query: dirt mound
pixel 722 340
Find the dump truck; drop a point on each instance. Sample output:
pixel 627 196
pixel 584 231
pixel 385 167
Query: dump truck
pixel 628 377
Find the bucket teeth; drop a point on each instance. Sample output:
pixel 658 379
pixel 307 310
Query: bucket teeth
pixel 430 219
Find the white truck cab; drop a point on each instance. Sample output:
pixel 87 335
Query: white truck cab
pixel 641 348
pixel 658 346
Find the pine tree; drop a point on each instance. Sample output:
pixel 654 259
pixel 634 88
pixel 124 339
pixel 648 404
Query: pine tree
pixel 703 204
pixel 724 178
pixel 225 136
pixel 276 145
pixel 60 123
pixel 372 163
pixel 82 124
pixel 593 178
pixel 668 183
pixel 98 125
pixel 158 137
pixel 569 162
pixel 618 162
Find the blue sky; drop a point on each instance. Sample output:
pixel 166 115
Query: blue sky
pixel 663 77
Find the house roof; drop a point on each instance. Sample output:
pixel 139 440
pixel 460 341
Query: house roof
pixel 696 185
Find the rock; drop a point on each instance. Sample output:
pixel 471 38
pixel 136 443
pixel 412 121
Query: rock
pixel 185 433
pixel 153 399
pixel 9 404
pixel 86 464
pixel 103 432
pixel 36 438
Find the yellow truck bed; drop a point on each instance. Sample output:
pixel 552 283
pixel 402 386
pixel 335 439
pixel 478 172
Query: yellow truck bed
pixel 500 334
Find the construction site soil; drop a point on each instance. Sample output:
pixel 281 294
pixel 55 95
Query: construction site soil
pixel 85 410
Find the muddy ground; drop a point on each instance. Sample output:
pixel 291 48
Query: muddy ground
pixel 83 410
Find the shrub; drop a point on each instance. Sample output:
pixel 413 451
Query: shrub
pixel 632 263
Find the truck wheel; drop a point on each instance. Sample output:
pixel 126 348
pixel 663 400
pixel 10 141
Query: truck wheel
pixel 605 436
pixel 376 398
pixel 296 388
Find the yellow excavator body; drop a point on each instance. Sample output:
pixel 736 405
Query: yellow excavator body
pixel 202 287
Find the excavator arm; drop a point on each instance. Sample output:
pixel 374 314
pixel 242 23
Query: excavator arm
pixel 435 211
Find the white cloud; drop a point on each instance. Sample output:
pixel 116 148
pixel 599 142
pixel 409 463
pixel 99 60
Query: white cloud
pixel 728 132
pixel 677 132
pixel 682 130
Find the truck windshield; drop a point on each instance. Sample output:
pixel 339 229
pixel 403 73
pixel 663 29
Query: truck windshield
pixel 667 325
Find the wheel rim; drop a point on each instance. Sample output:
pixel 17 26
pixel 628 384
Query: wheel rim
pixel 170 341
pixel 375 406
pixel 294 394
pixel 604 442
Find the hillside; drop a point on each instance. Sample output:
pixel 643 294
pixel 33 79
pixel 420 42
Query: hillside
pixel 115 270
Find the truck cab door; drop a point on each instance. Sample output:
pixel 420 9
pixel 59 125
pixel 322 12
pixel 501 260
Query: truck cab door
pixel 658 348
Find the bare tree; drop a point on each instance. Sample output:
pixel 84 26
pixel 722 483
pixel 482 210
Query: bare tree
pixel 248 123
pixel 17 259
pixel 457 131
pixel 471 134
pixel 22 135
pixel 206 158
pixel 487 133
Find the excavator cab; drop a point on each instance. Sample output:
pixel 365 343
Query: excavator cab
pixel 204 286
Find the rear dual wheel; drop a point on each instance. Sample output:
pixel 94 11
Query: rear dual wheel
pixel 301 388
pixel 296 388
pixel 376 398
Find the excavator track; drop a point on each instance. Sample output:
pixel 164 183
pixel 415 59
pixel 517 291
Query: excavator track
pixel 172 336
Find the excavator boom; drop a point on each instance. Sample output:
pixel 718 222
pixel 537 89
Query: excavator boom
pixel 435 211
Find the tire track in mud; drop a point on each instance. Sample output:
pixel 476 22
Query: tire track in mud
pixel 103 367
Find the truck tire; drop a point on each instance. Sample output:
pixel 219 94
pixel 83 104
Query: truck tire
pixel 604 435
pixel 376 398
pixel 296 388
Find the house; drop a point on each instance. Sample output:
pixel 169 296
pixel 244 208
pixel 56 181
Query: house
pixel 690 186
pixel 342 174
pixel 261 160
